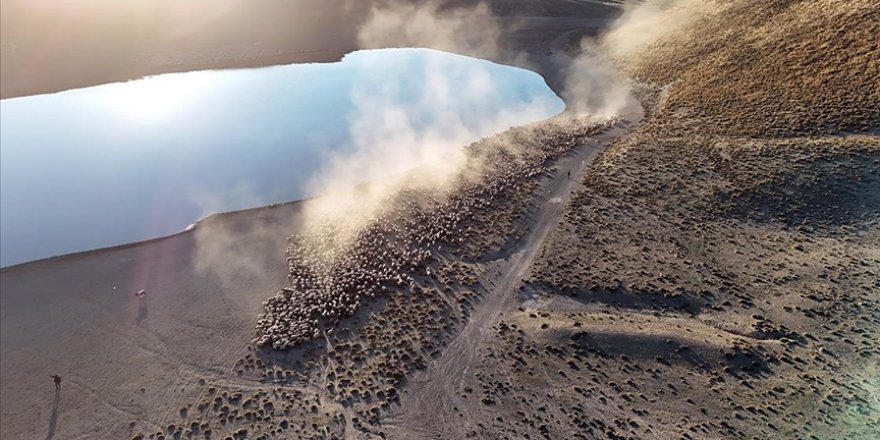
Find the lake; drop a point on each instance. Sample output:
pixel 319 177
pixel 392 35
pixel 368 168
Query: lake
pixel 117 163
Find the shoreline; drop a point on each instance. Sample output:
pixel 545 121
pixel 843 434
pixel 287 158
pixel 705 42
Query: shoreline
pixel 196 223
pixel 216 217
pixel 548 72
pixel 305 57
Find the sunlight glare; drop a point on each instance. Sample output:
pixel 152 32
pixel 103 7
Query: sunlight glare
pixel 153 98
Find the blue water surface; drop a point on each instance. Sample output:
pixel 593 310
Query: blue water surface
pixel 111 164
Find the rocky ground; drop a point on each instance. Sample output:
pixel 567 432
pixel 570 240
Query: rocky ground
pixel 749 270
pixel 716 277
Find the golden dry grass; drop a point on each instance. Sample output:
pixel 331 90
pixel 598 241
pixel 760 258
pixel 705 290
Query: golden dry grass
pixel 770 68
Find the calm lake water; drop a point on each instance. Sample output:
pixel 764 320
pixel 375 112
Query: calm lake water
pixel 117 163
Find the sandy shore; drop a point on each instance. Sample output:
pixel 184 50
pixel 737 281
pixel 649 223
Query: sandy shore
pixel 123 358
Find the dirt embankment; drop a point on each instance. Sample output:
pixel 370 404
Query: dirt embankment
pixel 744 205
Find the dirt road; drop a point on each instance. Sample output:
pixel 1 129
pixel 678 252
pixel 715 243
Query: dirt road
pixel 431 403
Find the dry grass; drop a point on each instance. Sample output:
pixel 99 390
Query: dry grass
pixel 738 204
pixel 773 68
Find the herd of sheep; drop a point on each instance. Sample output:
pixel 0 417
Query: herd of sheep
pixel 330 281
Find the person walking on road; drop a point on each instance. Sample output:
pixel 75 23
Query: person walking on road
pixel 57 379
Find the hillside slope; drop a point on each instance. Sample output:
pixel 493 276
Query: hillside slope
pixel 738 229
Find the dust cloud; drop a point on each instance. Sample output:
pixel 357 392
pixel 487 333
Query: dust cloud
pixel 386 141
pixel 593 86
pixel 392 151
pixel 471 31
pixel 643 24
pixel 398 142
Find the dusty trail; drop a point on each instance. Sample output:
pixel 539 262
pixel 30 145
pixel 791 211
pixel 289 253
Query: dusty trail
pixel 431 402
